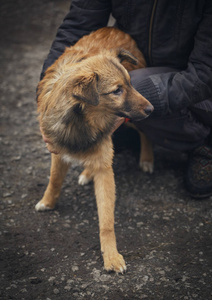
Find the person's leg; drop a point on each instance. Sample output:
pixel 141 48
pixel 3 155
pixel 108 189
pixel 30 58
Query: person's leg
pixel 203 111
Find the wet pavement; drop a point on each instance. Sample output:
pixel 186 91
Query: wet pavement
pixel 164 235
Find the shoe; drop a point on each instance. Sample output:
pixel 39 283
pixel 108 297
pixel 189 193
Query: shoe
pixel 198 178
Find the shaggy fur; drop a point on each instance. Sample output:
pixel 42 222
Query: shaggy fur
pixel 79 100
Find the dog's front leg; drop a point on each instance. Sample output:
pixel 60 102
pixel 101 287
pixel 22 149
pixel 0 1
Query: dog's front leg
pixel 105 196
pixel 58 172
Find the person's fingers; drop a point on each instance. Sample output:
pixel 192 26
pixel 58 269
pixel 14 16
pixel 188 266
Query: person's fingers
pixel 51 148
pixel 119 121
pixel 49 143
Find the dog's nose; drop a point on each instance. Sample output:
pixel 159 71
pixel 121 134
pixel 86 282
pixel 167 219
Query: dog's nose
pixel 148 110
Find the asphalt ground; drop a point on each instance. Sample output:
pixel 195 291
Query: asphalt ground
pixel 164 234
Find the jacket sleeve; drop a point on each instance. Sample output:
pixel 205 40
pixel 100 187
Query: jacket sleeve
pixel 169 92
pixel 84 17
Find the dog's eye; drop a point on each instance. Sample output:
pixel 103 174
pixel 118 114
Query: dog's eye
pixel 118 91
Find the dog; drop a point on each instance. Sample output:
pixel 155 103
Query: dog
pixel 80 98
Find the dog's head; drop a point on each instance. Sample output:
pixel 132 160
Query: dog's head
pixel 107 83
pixel 80 106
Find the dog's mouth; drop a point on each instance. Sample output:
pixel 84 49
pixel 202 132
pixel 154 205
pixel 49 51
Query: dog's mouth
pixel 134 116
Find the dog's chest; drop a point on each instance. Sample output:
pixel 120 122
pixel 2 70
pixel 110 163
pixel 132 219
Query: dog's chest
pixel 71 160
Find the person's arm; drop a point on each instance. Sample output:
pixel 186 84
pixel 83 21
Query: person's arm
pixel 84 17
pixel 172 91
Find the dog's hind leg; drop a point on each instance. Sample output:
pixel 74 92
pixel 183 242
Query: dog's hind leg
pixel 105 196
pixel 146 161
pixel 85 177
pixel 58 172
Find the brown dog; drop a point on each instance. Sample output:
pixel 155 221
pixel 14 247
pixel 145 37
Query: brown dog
pixel 79 100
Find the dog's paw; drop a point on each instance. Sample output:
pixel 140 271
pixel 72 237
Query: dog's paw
pixel 40 206
pixel 114 262
pixel 83 179
pixel 146 166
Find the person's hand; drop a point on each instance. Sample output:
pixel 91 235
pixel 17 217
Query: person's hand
pixel 119 121
pixel 49 143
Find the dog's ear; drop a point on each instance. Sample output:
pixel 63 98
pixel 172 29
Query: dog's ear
pixel 123 55
pixel 85 88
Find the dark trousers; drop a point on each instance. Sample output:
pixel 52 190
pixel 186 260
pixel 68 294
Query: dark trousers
pixel 184 130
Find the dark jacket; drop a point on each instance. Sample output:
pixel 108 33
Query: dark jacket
pixel 176 33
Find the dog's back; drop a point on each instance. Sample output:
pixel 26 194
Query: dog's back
pixel 104 40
